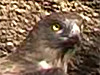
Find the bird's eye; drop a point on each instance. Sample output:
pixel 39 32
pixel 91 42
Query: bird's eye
pixel 55 27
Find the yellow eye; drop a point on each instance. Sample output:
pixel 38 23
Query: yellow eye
pixel 56 27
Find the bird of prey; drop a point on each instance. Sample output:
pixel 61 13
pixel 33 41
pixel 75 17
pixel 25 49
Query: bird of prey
pixel 47 44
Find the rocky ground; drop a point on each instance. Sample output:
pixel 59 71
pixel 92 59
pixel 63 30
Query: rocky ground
pixel 18 17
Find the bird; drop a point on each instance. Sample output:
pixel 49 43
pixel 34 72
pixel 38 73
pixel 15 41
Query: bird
pixel 48 42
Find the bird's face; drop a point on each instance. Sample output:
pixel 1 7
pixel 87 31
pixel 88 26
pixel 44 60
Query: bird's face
pixel 59 31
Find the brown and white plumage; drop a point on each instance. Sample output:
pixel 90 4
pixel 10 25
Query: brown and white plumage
pixel 46 44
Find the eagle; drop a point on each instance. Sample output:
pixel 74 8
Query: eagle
pixel 45 51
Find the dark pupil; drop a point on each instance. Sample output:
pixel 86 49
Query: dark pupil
pixel 56 26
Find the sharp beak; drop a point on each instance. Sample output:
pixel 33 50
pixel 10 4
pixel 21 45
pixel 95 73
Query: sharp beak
pixel 75 33
pixel 73 38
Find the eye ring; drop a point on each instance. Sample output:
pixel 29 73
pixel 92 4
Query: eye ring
pixel 56 27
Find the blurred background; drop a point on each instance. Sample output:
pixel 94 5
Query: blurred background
pixel 18 17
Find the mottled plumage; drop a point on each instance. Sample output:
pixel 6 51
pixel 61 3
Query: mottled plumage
pixel 49 41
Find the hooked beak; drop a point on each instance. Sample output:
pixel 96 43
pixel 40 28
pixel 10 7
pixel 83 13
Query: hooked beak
pixel 75 32
pixel 73 37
